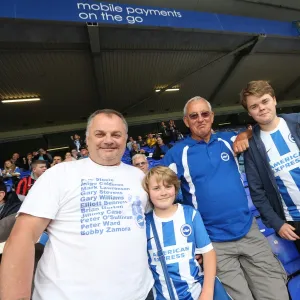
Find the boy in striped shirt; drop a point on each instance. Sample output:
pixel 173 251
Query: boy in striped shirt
pixel 182 235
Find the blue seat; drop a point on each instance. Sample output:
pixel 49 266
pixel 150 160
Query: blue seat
pixel 43 239
pixel 251 206
pixel 25 174
pixel 244 179
pixel 286 252
pixel 264 229
pixel 294 288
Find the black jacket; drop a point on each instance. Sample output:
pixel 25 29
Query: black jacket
pixel 11 206
pixel 262 183
pixel 158 151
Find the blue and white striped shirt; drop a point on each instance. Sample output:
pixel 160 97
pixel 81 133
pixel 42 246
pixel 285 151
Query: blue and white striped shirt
pixel 284 159
pixel 181 237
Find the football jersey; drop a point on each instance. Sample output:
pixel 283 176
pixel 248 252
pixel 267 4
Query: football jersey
pixel 182 237
pixel 284 159
pixel 211 183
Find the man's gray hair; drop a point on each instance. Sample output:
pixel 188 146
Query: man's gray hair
pixel 136 156
pixel 197 98
pixel 108 112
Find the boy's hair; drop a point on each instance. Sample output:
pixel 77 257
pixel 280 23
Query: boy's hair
pixel 256 88
pixel 162 174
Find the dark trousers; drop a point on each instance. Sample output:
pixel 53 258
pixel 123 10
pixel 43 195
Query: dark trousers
pixel 296 224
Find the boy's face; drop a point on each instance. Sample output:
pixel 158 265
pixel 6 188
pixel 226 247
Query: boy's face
pixel 162 196
pixel 262 109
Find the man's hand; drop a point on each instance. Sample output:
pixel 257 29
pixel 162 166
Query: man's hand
pixel 287 232
pixel 241 142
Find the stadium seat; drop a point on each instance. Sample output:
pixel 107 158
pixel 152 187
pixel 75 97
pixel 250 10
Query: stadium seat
pixel 251 206
pixel 264 229
pixel 286 252
pixel 294 288
pixel 244 179
pixel 25 174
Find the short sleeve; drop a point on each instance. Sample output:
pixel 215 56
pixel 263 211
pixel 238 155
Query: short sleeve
pixel 44 197
pixel 168 161
pixel 203 243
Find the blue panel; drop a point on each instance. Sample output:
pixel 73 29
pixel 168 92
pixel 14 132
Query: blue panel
pixel 104 12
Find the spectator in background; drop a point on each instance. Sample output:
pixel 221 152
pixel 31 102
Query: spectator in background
pixel 16 160
pixel 69 157
pixel 135 150
pixel 43 155
pixel 84 153
pixel 75 154
pixel 27 161
pixel 76 142
pixel 151 141
pixel 140 141
pixel 173 131
pixel 160 149
pixel 11 173
pixel 165 132
pixel 130 142
pixel 57 159
pixel 25 184
pixel 9 201
pixel 140 161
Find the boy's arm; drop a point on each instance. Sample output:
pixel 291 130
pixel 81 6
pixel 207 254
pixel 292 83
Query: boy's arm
pixel 210 265
pixel 204 247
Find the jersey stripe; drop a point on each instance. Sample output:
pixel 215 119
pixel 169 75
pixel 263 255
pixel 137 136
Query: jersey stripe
pixel 280 143
pixel 188 177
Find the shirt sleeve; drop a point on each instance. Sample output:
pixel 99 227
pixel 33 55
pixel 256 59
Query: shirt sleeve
pixel 45 195
pixel 203 243
pixel 168 161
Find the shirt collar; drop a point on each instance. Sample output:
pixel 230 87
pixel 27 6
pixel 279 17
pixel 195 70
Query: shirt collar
pixel 191 142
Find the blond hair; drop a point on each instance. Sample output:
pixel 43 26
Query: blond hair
pixel 256 88
pixel 162 174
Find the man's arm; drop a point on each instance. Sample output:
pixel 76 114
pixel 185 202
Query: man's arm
pixel 258 194
pixel 18 258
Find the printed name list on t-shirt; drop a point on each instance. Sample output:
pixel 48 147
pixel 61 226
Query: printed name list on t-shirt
pixel 107 12
pixel 102 204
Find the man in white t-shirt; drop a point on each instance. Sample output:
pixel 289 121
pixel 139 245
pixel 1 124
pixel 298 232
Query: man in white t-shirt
pixel 93 210
pixel 273 161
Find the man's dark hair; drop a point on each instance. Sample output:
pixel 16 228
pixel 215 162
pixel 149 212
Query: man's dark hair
pixel 3 188
pixel 38 162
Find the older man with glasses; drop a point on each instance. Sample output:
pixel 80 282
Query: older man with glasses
pixel 140 161
pixel 208 170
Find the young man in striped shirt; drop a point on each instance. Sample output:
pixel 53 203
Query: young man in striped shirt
pixel 273 161
pixel 25 184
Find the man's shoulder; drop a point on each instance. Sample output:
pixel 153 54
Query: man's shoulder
pixel 225 135
pixel 294 117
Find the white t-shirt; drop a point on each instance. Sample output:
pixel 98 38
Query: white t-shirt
pixel 97 246
pixel 284 159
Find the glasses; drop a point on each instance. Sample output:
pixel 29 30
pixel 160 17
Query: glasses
pixel 203 115
pixel 140 164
